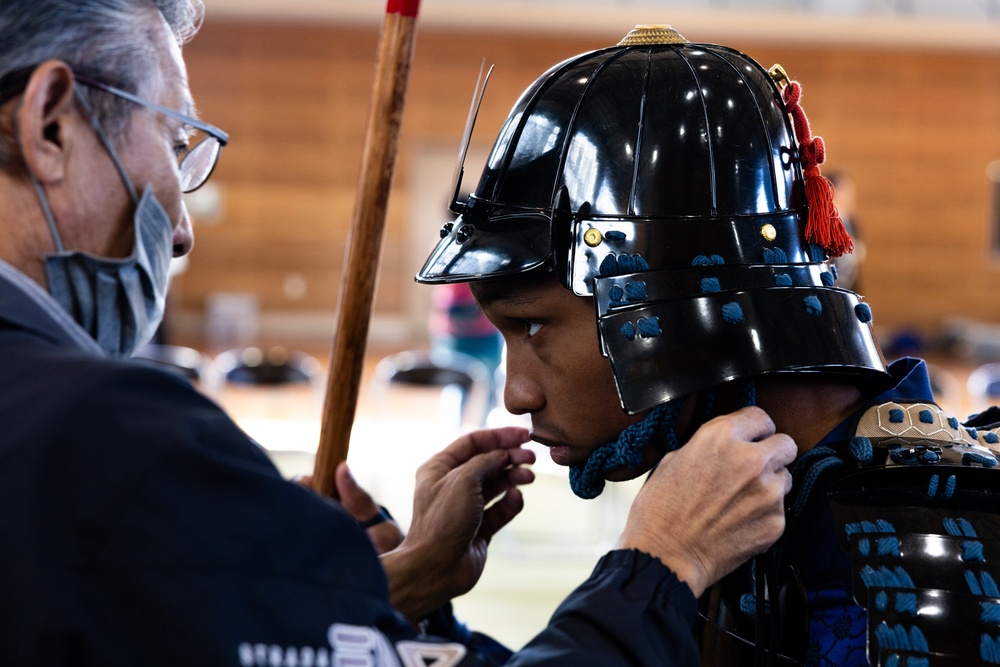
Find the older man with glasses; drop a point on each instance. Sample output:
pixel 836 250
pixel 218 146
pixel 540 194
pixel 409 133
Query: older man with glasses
pixel 141 526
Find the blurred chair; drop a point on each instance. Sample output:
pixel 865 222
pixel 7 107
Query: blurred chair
pixel 275 395
pixel 983 386
pixel 186 361
pixel 459 375
pixel 274 366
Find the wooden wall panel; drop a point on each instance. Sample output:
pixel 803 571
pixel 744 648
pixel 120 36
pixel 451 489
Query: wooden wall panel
pixel 916 129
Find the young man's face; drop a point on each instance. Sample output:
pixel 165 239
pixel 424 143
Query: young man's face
pixel 555 371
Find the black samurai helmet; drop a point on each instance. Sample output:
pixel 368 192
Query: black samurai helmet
pixel 678 185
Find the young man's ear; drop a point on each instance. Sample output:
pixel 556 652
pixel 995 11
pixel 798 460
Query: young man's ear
pixel 46 118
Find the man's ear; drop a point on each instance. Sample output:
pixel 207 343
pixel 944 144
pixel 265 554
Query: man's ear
pixel 46 120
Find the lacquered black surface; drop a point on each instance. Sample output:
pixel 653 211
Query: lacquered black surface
pixel 488 247
pixel 901 494
pixel 686 132
pixel 775 333
pixel 929 561
pixel 681 158
pixel 924 538
pixel 951 623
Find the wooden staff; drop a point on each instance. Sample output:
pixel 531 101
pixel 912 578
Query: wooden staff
pixel 364 246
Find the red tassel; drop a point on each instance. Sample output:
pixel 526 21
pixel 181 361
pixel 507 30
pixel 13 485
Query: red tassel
pixel 824 227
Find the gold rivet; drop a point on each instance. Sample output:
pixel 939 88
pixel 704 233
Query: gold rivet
pixel 592 237
pixel 769 232
pixel 646 35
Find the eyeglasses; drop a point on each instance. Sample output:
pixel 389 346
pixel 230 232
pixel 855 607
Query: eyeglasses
pixel 197 163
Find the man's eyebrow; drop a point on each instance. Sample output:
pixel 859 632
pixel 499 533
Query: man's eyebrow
pixel 489 295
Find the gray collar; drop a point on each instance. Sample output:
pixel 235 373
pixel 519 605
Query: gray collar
pixel 48 317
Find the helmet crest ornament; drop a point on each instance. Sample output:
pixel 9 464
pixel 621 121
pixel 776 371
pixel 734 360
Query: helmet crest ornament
pixel 645 35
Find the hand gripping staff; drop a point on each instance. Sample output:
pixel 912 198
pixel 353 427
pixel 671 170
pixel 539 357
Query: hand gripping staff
pixel 364 247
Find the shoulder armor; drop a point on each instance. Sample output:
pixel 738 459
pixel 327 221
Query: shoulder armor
pixel 921 521
pixel 913 433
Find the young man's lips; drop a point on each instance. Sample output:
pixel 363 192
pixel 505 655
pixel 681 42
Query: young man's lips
pixel 542 440
pixel 560 453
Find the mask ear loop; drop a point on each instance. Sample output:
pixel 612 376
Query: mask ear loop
pixel 103 138
pixel 50 219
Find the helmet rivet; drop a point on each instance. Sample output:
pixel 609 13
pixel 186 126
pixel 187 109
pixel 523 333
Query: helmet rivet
pixel 464 233
pixel 592 237
pixel 446 229
pixel 769 232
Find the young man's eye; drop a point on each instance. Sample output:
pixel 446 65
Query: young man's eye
pixel 531 328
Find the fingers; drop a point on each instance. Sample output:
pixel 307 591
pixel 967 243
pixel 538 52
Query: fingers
pixel 305 481
pixel 354 499
pixel 499 469
pixel 750 424
pixel 783 450
pixel 479 442
pixel 500 513
pixel 384 534
pixel 506 480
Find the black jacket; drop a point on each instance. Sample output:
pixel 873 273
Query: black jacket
pixel 143 527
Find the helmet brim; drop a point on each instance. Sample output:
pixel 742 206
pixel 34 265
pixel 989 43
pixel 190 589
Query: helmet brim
pixel 492 247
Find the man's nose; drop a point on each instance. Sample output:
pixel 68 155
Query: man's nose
pixel 522 394
pixel 183 234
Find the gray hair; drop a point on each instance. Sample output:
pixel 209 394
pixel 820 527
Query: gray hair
pixel 108 40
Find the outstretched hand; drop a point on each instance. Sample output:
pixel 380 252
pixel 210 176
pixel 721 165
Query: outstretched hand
pixel 444 552
pixel 716 501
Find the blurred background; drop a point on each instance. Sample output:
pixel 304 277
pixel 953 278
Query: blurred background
pixel 906 94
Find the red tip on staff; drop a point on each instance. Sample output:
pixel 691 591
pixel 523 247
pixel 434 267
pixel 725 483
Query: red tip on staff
pixel 403 7
pixel 364 244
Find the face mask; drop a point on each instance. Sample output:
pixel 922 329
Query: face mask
pixel 118 301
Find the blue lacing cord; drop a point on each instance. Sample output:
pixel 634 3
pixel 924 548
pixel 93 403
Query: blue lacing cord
pixel 982 585
pixel 989 649
pixel 807 468
pixel 911 661
pixel 887 547
pixel 970 458
pixel 991 612
pixel 949 486
pixel 708 260
pixel 614 265
pixel 900 638
pixel 811 465
pixel 886 577
pixel 587 479
pixel 861 449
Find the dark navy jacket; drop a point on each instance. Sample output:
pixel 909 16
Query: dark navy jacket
pixel 142 527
